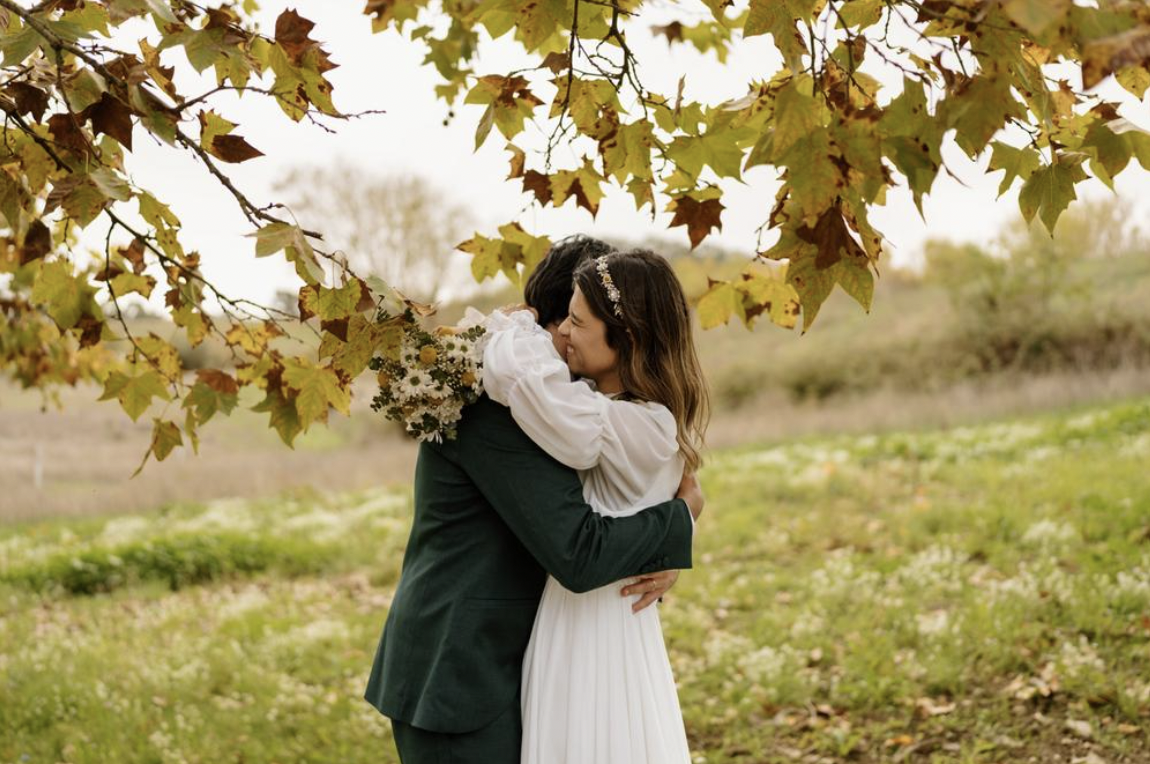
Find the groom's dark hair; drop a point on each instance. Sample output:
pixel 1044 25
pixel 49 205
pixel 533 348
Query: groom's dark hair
pixel 551 284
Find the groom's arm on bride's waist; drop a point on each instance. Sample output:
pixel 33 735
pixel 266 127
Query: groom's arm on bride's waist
pixel 542 502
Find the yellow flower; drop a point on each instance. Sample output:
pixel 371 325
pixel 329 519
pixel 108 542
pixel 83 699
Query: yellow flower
pixel 446 331
pixel 428 354
pixel 468 378
pixel 384 378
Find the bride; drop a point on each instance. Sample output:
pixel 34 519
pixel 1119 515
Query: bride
pixel 597 682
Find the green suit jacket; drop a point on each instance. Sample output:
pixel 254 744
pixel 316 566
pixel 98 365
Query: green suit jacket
pixel 494 514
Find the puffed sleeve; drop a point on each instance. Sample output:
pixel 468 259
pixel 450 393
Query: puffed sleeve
pixel 568 419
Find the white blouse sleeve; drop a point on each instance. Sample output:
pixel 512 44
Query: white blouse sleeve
pixel 574 424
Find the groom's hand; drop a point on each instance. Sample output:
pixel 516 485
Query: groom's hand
pixel 691 492
pixel 652 586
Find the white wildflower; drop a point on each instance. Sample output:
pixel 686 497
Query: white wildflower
pixel 1049 533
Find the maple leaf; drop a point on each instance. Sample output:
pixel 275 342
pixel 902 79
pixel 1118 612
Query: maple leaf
pixel 112 117
pixel 291 34
pixel 583 185
pixel 1049 190
pixel 1017 163
pixel 699 216
pixel 538 184
pixel 775 18
pixel 135 392
pixel 30 99
pixel 721 302
pixel 37 242
pixel 317 388
pixel 233 148
pixel 832 238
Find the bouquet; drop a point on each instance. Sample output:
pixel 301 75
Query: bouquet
pixel 426 381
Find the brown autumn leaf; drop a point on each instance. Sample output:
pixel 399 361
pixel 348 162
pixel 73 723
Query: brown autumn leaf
pixel 832 238
pixel 220 381
pixel 68 133
pixel 699 217
pixel 557 62
pixel 1105 56
pixel 292 34
pixel 29 99
pixel 518 160
pixel 234 149
pixel 337 327
pixel 90 330
pixel 581 199
pixel 366 300
pixel 37 242
pixel 110 116
pixel 108 272
pixel 134 254
pixel 538 184
pixel 673 31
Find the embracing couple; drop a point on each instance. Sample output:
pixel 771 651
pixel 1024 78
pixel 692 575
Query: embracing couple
pixel 521 629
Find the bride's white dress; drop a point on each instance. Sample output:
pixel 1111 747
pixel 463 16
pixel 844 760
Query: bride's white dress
pixel 597 683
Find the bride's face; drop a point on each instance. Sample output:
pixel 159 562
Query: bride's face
pixel 588 354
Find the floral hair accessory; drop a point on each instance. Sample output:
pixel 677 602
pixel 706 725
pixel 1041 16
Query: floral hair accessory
pixel 608 283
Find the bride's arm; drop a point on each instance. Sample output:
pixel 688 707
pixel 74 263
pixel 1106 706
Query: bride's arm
pixel 574 424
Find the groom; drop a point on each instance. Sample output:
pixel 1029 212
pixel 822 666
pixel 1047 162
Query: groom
pixel 494 514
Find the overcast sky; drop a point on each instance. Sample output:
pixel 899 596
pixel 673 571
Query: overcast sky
pixel 384 72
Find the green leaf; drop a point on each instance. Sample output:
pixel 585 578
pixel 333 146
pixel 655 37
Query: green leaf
pixel 1110 152
pixel 363 338
pixel 812 175
pixel 717 149
pixel 773 296
pixel 797 113
pixel 158 214
pixel 719 304
pixel 111 185
pixel 774 18
pixel 1017 163
pixel 317 388
pixel 1140 145
pixel 333 304
pixel 1049 191
pixel 135 393
pixel 1036 16
pixel 125 283
pixel 861 13
pixel 484 256
pixel 84 89
pixel 812 284
pixel 290 239
pixel 510 103
pixel 627 152
pixel 165 437
pixel 1135 79
pixel 854 275
pixel 284 418
pixel 162 10
pixel 67 298
pixel 978 109
pixel 214 391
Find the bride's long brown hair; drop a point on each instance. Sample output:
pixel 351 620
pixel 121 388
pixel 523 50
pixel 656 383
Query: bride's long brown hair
pixel 654 339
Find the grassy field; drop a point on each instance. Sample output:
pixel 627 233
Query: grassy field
pixel 979 594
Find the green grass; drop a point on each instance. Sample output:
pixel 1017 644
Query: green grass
pixel 972 595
